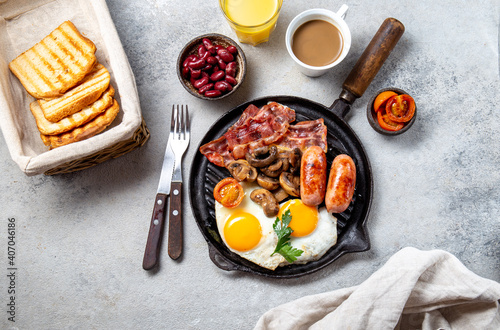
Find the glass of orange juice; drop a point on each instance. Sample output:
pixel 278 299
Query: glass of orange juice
pixel 252 20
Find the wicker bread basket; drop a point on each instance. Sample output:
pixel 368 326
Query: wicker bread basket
pixel 34 19
pixel 141 135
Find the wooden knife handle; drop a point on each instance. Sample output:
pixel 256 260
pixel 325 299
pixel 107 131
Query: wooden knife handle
pixel 175 221
pixel 374 57
pixel 152 252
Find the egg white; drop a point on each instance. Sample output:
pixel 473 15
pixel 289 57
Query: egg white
pixel 314 245
pixel 317 243
pixel 260 254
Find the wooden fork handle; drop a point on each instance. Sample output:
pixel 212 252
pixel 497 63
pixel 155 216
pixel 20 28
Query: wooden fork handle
pixel 175 221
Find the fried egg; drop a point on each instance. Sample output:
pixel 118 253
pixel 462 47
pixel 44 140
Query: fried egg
pixel 248 232
pixel 314 230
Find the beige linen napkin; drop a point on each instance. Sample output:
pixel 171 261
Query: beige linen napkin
pixel 413 290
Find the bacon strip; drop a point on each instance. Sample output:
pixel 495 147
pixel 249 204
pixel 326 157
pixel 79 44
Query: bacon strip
pixel 265 126
pixel 305 134
pixel 217 152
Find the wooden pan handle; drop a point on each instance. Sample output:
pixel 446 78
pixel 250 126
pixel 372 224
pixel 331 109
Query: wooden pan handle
pixel 373 57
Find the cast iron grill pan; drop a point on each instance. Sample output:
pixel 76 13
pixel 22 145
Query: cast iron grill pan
pixel 352 236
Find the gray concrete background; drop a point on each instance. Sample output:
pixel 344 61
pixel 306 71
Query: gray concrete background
pixel 80 237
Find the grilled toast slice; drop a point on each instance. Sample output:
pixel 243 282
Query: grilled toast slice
pixel 77 119
pixel 88 130
pixel 55 64
pixel 78 97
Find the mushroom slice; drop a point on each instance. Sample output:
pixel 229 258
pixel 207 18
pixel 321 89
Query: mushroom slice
pixel 267 183
pixel 241 170
pixel 274 169
pixel 285 158
pixel 294 159
pixel 266 199
pixel 290 183
pixel 282 163
pixel 280 194
pixel 262 156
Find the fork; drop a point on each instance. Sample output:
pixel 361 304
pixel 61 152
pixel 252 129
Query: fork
pixel 179 137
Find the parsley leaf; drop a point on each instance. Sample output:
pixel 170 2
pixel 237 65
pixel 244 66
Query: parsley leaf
pixel 283 231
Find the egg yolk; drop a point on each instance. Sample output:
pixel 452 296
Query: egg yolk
pixel 242 231
pixel 304 217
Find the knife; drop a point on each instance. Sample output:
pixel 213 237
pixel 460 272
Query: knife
pixel 155 235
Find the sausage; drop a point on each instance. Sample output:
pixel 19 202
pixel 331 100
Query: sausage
pixel 341 183
pixel 313 176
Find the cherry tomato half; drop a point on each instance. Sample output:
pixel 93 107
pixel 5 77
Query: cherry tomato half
pixel 400 108
pixel 381 99
pixel 229 192
pixel 386 123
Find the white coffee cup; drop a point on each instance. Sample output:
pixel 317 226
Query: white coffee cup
pixel 337 19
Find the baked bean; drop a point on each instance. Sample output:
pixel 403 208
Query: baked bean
pixel 201 82
pixel 206 56
pixel 231 80
pixel 208 45
pixel 233 50
pixel 231 69
pixel 188 59
pixel 212 60
pixel 205 88
pixel 213 93
pixel 223 86
pixel 201 50
pixel 195 73
pixel 225 55
pixel 219 75
pixel 197 64
pixel 222 64
pixel 185 72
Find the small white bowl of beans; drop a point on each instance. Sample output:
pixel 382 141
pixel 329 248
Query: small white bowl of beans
pixel 211 66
